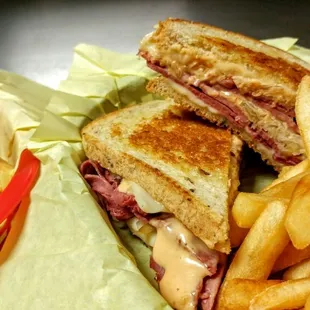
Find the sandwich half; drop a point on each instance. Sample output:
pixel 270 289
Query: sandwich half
pixel 231 80
pixel 172 178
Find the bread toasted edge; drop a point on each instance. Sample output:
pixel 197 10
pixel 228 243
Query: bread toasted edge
pixel 161 86
pixel 206 224
pixel 274 67
pixel 242 40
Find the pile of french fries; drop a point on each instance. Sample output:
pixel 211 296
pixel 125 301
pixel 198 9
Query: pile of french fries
pixel 271 268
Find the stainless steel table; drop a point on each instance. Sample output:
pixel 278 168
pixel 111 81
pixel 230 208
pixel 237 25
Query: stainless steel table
pixel 37 37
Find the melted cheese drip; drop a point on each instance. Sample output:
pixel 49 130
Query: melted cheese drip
pixel 143 198
pixel 183 271
pixel 147 45
pixel 144 231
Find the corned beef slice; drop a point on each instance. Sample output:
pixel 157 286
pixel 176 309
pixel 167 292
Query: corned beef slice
pixel 236 116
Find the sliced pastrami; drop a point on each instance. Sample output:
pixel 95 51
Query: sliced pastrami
pixel 234 115
pixel 121 206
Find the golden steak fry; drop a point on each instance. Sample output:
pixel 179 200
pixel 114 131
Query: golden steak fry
pixel 284 190
pixel 236 294
pixel 264 243
pixel 298 271
pixel 307 305
pixel 236 233
pixel 248 207
pixel 297 220
pixel 289 172
pixel 290 256
pixel 302 109
pixel 290 294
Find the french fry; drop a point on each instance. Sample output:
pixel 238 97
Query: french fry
pixel 297 220
pixel 248 206
pixel 290 294
pixel 290 256
pixel 302 109
pixel 284 190
pixel 236 294
pixel 236 234
pixel 298 271
pixel 307 305
pixel 264 243
pixel 289 172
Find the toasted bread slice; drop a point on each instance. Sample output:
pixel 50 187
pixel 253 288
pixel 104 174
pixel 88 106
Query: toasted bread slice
pixel 178 159
pixel 162 86
pixel 212 54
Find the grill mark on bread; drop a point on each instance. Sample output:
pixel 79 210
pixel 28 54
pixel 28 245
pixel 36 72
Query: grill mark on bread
pixel 204 172
pixel 189 180
pixel 192 182
pixel 293 73
pixel 164 137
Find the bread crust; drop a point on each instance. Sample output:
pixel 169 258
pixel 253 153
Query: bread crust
pixel 160 87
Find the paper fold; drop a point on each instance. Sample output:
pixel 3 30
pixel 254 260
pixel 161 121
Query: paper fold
pixel 115 79
pixel 67 255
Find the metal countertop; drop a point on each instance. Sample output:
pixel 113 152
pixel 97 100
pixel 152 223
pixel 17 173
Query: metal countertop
pixel 37 37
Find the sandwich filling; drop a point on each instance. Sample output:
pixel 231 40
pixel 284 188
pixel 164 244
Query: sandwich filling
pixel 188 272
pixel 271 126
